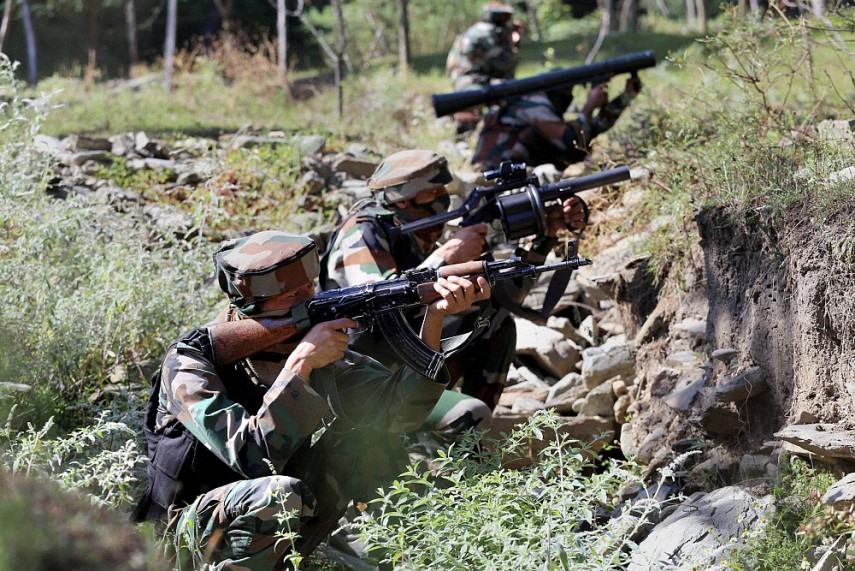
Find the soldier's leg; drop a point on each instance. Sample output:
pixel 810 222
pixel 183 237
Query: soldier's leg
pixel 486 361
pixel 455 413
pixel 244 525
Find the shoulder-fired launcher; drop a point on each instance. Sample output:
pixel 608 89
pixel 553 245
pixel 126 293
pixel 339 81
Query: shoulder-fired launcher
pixel 448 103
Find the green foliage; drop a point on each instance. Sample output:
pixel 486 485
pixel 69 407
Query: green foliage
pixel 90 289
pixel 734 126
pixel 475 513
pixel 102 459
pixel 784 541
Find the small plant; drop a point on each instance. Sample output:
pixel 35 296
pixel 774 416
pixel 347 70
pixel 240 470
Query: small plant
pixel 474 513
pixel 799 524
pixel 101 459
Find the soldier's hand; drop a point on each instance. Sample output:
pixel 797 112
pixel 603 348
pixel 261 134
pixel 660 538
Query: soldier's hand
pixel 570 214
pixel 458 294
pixel 598 97
pixel 633 86
pixel 324 343
pixel 465 245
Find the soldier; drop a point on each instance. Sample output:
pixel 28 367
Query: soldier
pixel 532 129
pixel 487 51
pixel 408 186
pixel 254 432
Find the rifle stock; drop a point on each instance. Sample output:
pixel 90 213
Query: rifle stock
pixel 448 103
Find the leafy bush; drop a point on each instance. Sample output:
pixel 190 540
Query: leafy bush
pixel 102 459
pixel 474 513
pixel 86 288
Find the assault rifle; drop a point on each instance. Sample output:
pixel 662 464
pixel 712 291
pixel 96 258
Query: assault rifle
pixel 593 74
pixel 521 213
pixel 378 304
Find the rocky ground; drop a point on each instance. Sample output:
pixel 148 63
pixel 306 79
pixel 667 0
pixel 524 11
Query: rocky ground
pixel 755 356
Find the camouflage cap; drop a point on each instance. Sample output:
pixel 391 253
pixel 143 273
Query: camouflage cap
pixel 404 174
pixel 264 264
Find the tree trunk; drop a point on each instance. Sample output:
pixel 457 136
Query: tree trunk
pixel 91 41
pixel 403 37
pixel 169 43
pixel 701 14
pixel 339 59
pixel 818 8
pixel 131 25
pixel 282 40
pixel 30 35
pixel 629 16
pixel 690 15
pixel 4 25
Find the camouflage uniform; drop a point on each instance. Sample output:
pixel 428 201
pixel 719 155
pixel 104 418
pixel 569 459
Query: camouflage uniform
pixel 362 250
pixel 241 453
pixel 481 53
pixel 532 129
pixel 484 52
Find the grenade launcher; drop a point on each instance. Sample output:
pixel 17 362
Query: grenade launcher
pixel 593 73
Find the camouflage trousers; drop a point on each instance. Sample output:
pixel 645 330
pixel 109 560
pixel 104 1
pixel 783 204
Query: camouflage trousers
pixel 249 525
pixel 482 366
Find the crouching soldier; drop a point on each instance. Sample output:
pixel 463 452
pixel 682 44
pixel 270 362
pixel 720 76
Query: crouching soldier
pixel 254 431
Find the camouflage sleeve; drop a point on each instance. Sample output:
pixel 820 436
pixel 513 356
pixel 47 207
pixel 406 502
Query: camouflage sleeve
pixel 359 255
pixel 538 113
pixel 251 444
pixel 608 116
pixel 372 397
pixel 362 254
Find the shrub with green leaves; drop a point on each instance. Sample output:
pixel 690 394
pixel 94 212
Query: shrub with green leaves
pixel 475 513
pixel 85 288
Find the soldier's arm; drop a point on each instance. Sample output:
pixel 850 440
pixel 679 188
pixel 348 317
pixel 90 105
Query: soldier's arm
pixel 250 444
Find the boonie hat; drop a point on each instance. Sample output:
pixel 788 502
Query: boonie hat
pixel 404 174
pixel 264 264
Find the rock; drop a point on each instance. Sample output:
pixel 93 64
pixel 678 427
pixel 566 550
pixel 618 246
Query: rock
pixel 725 355
pixel 742 386
pixel 355 167
pixel 839 130
pixel 521 375
pixel 845 175
pixel 310 144
pixel 683 359
pixel 692 328
pixel 753 466
pixel 825 440
pixel 621 408
pixel 651 443
pixel 842 493
pixel 613 358
pixel 564 326
pixel 79 143
pixel 721 419
pixel 527 405
pixel 565 392
pixel 589 331
pixel 84 156
pixel 703 530
pixel 599 402
pixel 551 350
pixel 804 417
pixel 688 387
pixel 654 323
